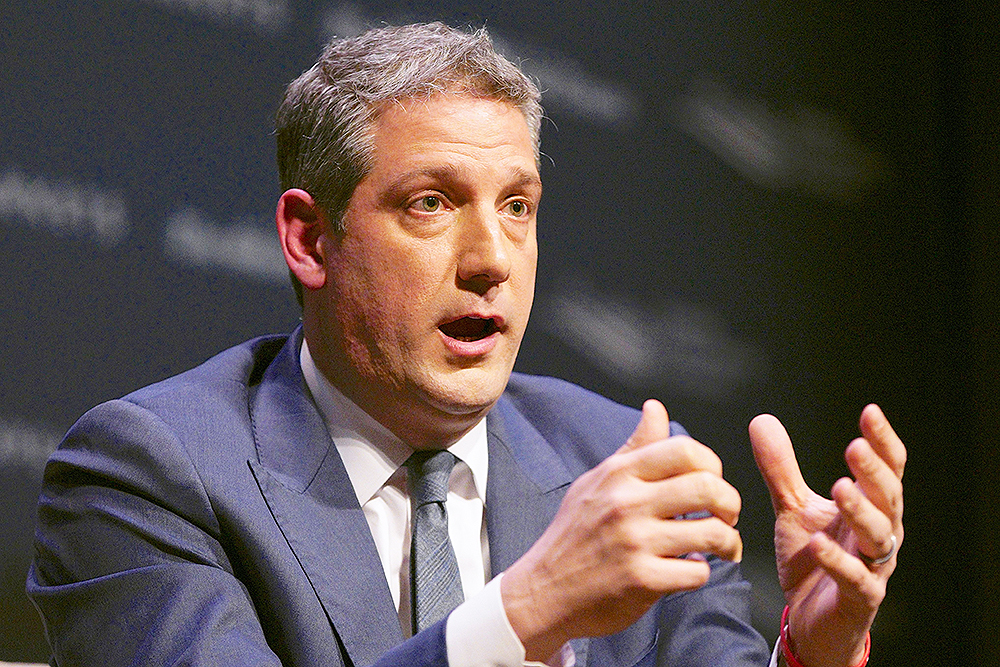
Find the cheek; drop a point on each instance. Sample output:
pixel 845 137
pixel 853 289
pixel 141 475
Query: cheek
pixel 392 298
pixel 413 280
pixel 358 295
pixel 523 280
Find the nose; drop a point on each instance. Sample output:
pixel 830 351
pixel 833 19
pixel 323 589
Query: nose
pixel 485 251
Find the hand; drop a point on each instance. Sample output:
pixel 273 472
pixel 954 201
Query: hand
pixel 615 546
pixel 832 593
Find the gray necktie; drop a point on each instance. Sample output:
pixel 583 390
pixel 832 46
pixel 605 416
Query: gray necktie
pixel 435 583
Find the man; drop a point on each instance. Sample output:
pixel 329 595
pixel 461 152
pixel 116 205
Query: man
pixel 256 509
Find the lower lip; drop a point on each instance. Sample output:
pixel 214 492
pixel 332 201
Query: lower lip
pixel 471 348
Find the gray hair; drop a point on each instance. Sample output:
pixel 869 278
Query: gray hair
pixel 323 125
pixel 324 122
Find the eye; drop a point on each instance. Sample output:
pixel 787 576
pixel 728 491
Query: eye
pixel 428 204
pixel 517 208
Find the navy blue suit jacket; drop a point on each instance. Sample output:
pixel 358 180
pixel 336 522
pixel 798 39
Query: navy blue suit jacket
pixel 208 520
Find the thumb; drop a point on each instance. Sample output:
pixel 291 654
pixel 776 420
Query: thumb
pixel 653 426
pixel 772 448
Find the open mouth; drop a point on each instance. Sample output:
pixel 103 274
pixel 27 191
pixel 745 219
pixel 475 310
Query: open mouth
pixel 468 329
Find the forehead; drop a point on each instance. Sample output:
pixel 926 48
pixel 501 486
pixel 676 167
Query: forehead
pixel 460 126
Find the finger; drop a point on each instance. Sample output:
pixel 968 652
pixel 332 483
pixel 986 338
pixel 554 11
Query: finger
pixel 654 425
pixel 875 478
pixel 877 430
pixel 697 492
pixel 667 458
pixel 772 449
pixel 872 528
pixel 857 584
pixel 668 575
pixel 676 537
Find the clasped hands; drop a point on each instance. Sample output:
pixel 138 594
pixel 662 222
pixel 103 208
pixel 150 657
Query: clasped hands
pixel 620 540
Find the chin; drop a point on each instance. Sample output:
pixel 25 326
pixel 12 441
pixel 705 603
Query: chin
pixel 466 394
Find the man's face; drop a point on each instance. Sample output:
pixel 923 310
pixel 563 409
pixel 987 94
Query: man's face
pixel 428 291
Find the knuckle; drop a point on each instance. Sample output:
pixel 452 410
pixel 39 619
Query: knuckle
pixel 734 499
pixel 708 489
pixel 613 466
pixel 682 449
pixel 874 589
pixel 618 504
pixel 901 460
pixel 635 540
pixel 895 496
pixel 720 535
pixel 696 456
pixel 864 457
pixel 701 487
pixel 850 498
pixel 701 457
pixel 708 492
pixel 633 576
pixel 698 574
pixel 715 462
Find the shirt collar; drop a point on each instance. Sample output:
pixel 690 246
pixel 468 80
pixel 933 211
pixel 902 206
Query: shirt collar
pixel 372 453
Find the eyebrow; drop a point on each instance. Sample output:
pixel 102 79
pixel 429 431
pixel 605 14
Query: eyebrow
pixel 517 177
pixel 523 178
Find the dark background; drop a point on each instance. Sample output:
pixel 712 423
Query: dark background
pixel 786 209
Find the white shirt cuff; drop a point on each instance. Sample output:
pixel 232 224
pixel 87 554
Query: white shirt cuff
pixel 478 633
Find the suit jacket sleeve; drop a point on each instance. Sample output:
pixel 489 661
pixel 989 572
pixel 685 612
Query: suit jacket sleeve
pixel 130 564
pixel 159 543
pixel 550 426
pixel 138 561
pixel 711 625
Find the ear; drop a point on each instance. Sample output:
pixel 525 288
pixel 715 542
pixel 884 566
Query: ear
pixel 302 227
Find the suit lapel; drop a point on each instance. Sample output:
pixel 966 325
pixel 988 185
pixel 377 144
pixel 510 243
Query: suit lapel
pixel 526 484
pixel 307 489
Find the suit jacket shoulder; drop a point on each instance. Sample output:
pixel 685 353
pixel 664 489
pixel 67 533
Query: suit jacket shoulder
pixel 583 426
pixel 709 626
pixel 204 520
pixel 207 518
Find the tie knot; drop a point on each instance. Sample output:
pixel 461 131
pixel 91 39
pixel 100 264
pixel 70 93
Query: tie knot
pixel 427 476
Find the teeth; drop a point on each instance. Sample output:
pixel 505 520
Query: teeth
pixel 469 329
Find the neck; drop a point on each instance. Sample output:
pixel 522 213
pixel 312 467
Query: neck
pixel 416 422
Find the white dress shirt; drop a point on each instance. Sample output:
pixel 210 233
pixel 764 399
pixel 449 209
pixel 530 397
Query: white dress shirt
pixel 478 632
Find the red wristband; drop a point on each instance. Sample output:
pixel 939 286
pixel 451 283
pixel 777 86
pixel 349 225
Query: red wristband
pixel 794 662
